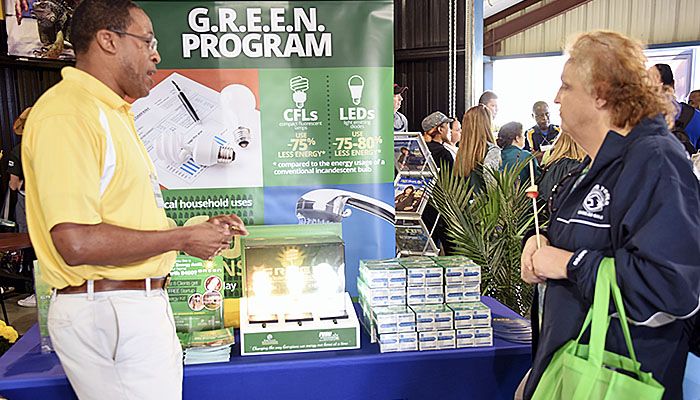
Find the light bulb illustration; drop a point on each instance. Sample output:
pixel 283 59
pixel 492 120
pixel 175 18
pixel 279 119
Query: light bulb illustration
pixel 299 86
pixel 356 84
pixel 204 149
pixel 238 108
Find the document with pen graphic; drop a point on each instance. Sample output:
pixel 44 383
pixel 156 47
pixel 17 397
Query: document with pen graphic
pixel 162 112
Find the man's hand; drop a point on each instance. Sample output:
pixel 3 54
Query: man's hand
pixel 550 262
pixel 20 7
pixel 527 270
pixel 207 239
pixel 231 222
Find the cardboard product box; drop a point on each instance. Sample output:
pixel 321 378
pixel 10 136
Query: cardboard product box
pixel 465 338
pixel 434 295
pixel 425 318
pixel 388 342
pixel 374 297
pixel 427 340
pixel 463 293
pixel 397 296
pixel 454 260
pixel 472 292
pixel 454 275
pixel 483 337
pixel 381 297
pixel 416 260
pixel 416 295
pixel 433 317
pixel 415 275
pixel 366 320
pixel 424 275
pixel 433 275
pixel 471 274
pixel 408 341
pixel 381 275
pixel 394 319
pixel 446 339
pixel 471 315
pixel 444 318
pixel 454 294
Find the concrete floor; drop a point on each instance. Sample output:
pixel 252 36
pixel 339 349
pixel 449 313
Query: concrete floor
pixel 21 318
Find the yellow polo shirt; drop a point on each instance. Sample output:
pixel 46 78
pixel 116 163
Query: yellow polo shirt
pixel 85 164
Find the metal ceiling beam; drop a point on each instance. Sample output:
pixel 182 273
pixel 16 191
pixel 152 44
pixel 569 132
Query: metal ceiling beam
pixel 494 36
pixel 509 11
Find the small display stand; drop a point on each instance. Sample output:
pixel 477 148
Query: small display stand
pixel 415 173
pixel 294 294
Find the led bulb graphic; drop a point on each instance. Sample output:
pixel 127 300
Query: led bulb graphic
pixel 238 108
pixel 205 150
pixel 299 86
pixel 356 84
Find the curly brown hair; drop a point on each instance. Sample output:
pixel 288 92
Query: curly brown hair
pixel 613 68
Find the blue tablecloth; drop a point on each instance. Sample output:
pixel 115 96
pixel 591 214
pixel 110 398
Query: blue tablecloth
pixel 476 373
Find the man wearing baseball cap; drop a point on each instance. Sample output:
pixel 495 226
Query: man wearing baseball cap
pixel 400 121
pixel 436 130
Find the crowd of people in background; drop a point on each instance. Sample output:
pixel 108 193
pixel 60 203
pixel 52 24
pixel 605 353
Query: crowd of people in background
pixel 472 144
pixel 610 180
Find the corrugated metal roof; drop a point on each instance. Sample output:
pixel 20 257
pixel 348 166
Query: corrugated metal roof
pixel 651 21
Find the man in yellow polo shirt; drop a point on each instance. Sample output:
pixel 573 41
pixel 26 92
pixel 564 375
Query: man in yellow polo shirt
pixel 96 216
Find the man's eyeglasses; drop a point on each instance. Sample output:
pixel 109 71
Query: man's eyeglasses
pixel 152 42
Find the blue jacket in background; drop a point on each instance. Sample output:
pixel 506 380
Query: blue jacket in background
pixel 638 203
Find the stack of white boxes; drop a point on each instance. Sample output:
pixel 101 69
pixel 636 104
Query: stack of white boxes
pixel 424 303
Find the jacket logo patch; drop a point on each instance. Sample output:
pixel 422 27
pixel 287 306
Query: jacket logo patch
pixel 597 199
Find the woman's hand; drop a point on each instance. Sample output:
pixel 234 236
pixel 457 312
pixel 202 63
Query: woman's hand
pixel 550 262
pixel 527 270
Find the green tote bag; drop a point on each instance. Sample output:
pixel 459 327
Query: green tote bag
pixel 588 372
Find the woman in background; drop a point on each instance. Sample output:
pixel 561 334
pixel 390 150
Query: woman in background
pixel 565 157
pixel 511 140
pixel 477 150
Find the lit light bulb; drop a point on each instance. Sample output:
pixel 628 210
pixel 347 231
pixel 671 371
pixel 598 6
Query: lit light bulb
pixel 326 278
pixel 262 284
pixel 205 150
pixel 299 86
pixel 238 107
pixel 295 280
pixel 356 84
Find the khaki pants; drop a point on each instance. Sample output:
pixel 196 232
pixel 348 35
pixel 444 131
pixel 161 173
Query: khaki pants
pixel 117 345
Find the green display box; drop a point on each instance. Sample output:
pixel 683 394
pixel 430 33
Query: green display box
pixel 294 291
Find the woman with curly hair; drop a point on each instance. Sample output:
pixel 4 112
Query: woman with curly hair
pixel 634 199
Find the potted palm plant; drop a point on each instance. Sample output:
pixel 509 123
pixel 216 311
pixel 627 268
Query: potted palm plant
pixel 487 226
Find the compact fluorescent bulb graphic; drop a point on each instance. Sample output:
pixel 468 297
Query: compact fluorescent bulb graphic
pixel 238 108
pixel 299 85
pixel 356 84
pixel 203 149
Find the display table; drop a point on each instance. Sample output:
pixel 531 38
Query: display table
pixel 476 373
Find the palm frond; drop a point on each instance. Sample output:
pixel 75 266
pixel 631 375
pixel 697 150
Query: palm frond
pixel 487 226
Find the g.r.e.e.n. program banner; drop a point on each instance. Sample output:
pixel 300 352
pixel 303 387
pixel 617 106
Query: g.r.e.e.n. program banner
pixel 290 119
